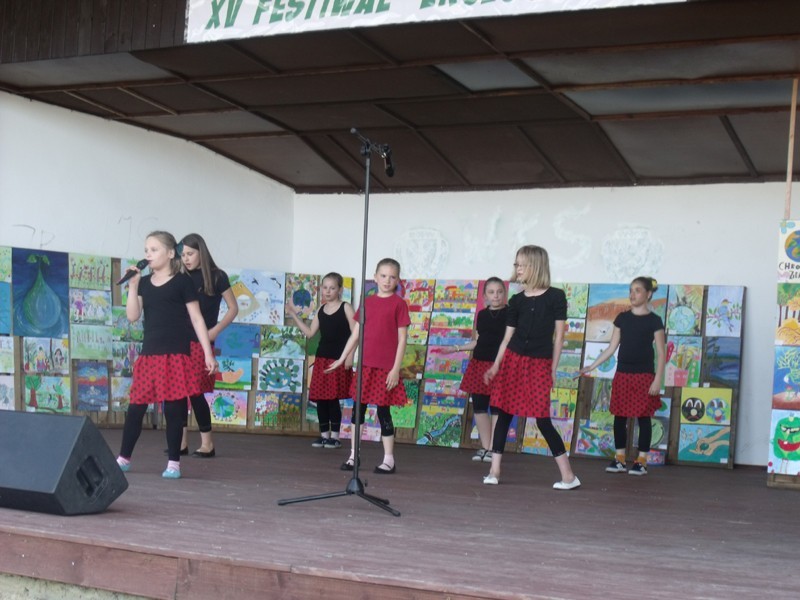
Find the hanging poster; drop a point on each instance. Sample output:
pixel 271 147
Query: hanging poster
pixel 41 300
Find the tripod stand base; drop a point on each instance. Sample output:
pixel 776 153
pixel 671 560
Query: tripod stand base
pixel 355 487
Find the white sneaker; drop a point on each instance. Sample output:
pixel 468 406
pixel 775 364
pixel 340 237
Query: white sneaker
pixel 490 480
pixel 563 485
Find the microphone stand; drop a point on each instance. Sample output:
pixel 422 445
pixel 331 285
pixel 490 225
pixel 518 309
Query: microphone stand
pixel 355 486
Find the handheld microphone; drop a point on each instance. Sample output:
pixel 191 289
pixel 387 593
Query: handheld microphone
pixel 139 265
pixel 386 154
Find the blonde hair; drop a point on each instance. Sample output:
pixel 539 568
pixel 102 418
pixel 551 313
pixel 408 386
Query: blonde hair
pixel 388 262
pixel 537 271
pixel 170 243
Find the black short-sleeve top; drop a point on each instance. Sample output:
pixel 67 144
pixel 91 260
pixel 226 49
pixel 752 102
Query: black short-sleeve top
pixel 209 305
pixel 166 325
pixel 534 319
pixel 491 328
pixel 637 332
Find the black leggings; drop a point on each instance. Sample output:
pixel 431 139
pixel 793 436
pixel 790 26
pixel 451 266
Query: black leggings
pixel 480 403
pixel 202 413
pixel 173 414
pixel 621 433
pixel 384 418
pixel 330 415
pixel 545 425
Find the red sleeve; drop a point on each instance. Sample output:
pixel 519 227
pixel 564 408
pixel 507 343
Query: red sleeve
pixel 401 314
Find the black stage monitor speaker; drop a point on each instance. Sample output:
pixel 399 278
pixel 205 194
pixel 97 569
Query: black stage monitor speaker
pixel 56 464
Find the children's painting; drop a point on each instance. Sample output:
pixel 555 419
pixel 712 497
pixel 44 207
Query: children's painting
pixel 228 407
pixel 786 378
pixel 370 428
pixel 418 294
pixel 7 354
pixel 722 361
pixel 511 436
pixel 724 308
pixel 5 264
pixel 413 364
pixel 534 443
pixel 239 340
pixel 89 272
pixel 563 402
pixel 282 342
pixel 312 416
pixel 594 438
pixel 660 433
pixel 788 321
pixel 574 335
pixel 289 411
pixel 600 405
pixel 457 296
pixel 36 355
pixel 406 415
pixel 124 355
pixel 235 373
pixel 685 309
pixel 784 443
pixel 684 360
pixel 606 301
pixel 451 328
pixel 303 290
pixel 280 375
pixel 607 369
pixel 267 405
pixel 708 406
pixel 120 393
pixel 444 392
pixel 567 370
pixel 704 443
pixel 91 341
pixel 418 330
pixel 789 252
pixel 123 330
pixel 577 299
pixel 92 386
pixel 48 394
pixel 347 290
pixel 259 295
pixel 445 365
pixel 439 426
pixel 90 307
pixel 5 307
pixel 7 398
pixel 41 298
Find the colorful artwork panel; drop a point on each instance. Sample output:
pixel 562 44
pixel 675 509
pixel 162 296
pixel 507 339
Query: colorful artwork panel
pixel 511 437
pixel 41 299
pixel 704 443
pixel 90 307
pixel 534 443
pixel 235 373
pixel 722 364
pixel 280 375
pixel 124 264
pixel 567 371
pixel 5 307
pixel 47 394
pixel 418 294
pixel 7 354
pixel 124 355
pixel 451 328
pixel 451 295
pixel 289 411
pixel 267 405
pixel 347 290
pixel 406 415
pixel 418 330
pixel 444 392
pixel 784 443
pixel 685 310
pixel 228 407
pixel 303 291
pixel 606 301
pixel 708 406
pixel 577 299
pixel 445 365
pixel 123 330
pixel 606 370
pixel 92 385
pixel 439 426
pixel 786 378
pixel 724 308
pixel 259 295
pixel 36 355
pixel 370 428
pixel 413 364
pixel 282 342
pixel 574 335
pixel 594 439
pixel 563 402
pixel 660 435
pixel 7 396
pixel 239 340
pixel 120 393
pixel 601 401
pixel 5 264
pixel 89 272
pixel 91 341
pixel 789 252
pixel 788 328
pixel 684 361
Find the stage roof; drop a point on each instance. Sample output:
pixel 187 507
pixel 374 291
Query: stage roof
pixel 692 92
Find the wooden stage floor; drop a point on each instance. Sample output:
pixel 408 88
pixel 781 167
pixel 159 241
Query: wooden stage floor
pixel 218 533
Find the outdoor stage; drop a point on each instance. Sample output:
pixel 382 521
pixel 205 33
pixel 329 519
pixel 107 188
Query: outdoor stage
pixel 218 533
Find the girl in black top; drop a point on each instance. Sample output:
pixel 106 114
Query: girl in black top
pixel 636 386
pixel 164 370
pixel 525 368
pixel 212 286
pixel 490 326
pixel 334 321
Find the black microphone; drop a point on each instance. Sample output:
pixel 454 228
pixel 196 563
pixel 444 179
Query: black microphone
pixel 139 265
pixel 386 154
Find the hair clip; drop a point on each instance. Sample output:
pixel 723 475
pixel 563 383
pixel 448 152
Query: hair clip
pixel 179 249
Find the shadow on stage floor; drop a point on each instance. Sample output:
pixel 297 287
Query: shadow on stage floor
pixel 680 532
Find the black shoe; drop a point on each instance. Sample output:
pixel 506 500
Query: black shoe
pixel 210 454
pixel 184 451
pixel 380 471
pixel 348 464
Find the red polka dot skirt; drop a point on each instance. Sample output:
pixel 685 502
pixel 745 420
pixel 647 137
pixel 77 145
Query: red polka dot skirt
pixel 204 380
pixel 373 389
pixel 472 382
pixel 329 386
pixel 629 395
pixel 159 377
pixel 522 385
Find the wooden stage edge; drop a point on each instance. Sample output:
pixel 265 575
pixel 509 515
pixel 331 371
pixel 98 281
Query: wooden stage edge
pixel 218 533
